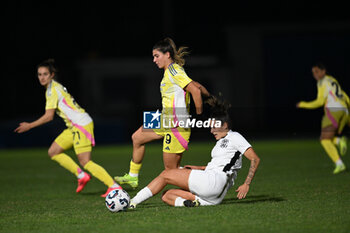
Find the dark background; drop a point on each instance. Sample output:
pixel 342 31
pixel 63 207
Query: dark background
pixel 258 55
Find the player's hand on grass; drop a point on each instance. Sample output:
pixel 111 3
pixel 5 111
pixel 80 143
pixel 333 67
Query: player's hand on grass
pixel 242 191
pixel 23 127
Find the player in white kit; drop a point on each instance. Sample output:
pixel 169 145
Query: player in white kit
pixel 206 185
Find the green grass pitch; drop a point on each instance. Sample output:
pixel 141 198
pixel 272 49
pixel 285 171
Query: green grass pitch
pixel 294 191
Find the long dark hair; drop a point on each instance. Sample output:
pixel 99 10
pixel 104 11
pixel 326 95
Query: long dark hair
pixel 219 109
pixel 168 45
pixel 50 65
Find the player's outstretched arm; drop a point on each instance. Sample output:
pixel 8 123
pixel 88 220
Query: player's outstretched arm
pixel 254 163
pixel 318 102
pixel 196 96
pixel 47 117
pixel 204 91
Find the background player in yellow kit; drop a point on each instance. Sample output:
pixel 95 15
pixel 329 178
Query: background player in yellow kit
pixel 336 108
pixel 175 88
pixel 79 133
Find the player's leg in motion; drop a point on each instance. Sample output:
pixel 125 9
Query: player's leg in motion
pixel 174 145
pixel 171 160
pixel 179 197
pixel 327 138
pixel 139 139
pixel 97 171
pixel 341 142
pixel 56 154
pixel 63 142
pixel 177 177
pixel 82 141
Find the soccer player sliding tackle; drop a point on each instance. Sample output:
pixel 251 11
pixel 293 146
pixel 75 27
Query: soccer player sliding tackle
pixel 207 185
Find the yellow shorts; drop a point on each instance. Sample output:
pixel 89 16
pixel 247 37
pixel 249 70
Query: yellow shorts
pixel 337 119
pixel 175 140
pixel 79 137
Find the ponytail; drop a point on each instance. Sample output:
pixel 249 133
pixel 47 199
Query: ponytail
pixel 168 45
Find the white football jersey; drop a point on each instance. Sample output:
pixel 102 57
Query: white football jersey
pixel 226 155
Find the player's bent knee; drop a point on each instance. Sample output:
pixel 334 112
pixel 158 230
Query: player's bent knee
pixel 168 175
pixel 170 166
pixel 83 162
pixel 165 174
pixel 167 197
pixel 84 158
pixel 52 152
pixel 54 149
pixel 49 152
pixel 135 137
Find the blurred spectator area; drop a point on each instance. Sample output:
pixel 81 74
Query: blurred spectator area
pixel 262 69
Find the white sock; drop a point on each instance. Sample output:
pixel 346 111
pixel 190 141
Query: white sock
pixel 142 195
pixel 115 185
pixel 133 174
pixel 339 162
pixel 81 175
pixel 337 140
pixel 179 201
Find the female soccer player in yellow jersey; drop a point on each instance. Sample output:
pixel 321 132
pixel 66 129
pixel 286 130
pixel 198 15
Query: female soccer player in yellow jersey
pixel 207 185
pixel 336 107
pixel 79 133
pixel 175 88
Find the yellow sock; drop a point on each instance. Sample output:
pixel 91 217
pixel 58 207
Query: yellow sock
pixel 100 173
pixel 331 150
pixel 135 167
pixel 67 162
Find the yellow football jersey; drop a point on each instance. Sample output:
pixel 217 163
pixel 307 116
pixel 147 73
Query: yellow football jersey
pixel 58 98
pixel 175 100
pixel 330 95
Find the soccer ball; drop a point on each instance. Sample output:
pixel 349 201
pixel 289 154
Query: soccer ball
pixel 117 200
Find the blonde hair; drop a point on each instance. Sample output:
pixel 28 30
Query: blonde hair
pixel 168 45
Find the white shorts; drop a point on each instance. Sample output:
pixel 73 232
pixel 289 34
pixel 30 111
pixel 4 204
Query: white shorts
pixel 210 187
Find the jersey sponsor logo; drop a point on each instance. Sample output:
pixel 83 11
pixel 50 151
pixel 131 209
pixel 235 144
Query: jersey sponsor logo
pixel 151 120
pixel 167 148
